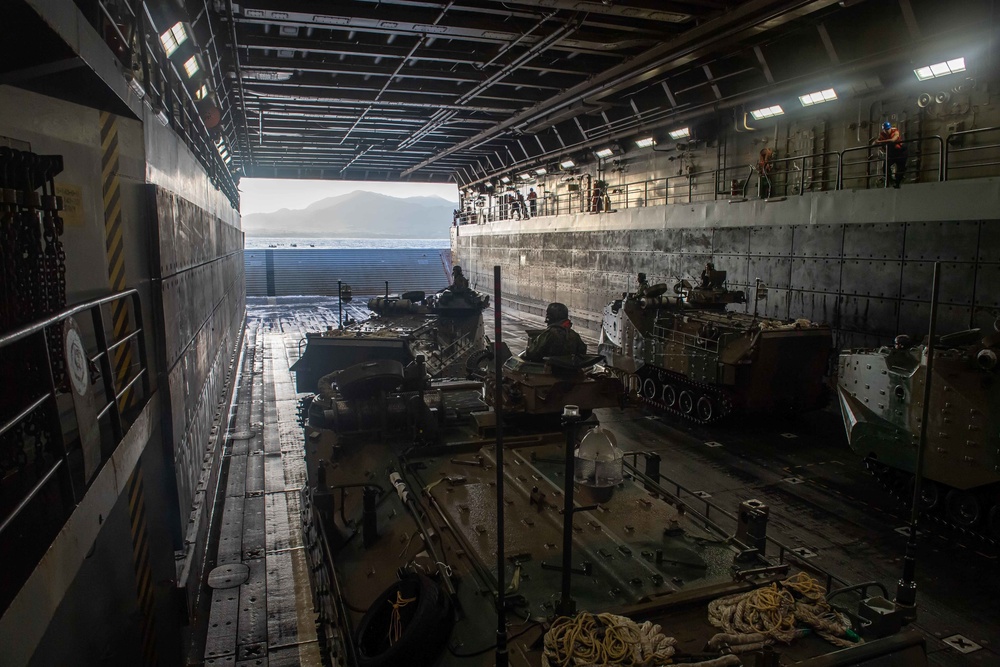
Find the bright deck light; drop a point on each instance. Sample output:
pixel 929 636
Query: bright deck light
pixel 682 133
pixel 940 69
pixel 191 66
pixel 173 38
pixel 645 142
pixel 541 171
pixel 567 164
pixel 604 152
pixel 767 112
pixel 818 97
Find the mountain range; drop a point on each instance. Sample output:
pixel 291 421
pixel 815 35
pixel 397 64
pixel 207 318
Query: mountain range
pixel 358 214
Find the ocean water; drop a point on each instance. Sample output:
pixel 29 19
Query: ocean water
pixel 264 242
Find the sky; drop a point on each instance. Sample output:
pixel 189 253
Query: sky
pixel 263 195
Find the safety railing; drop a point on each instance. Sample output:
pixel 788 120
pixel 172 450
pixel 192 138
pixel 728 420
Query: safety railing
pixel 933 159
pixel 877 163
pixel 960 155
pixel 42 462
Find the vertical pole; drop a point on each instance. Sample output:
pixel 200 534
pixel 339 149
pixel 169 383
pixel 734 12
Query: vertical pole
pixel 566 605
pixel 906 589
pixel 501 651
pixel 340 310
pixel 387 290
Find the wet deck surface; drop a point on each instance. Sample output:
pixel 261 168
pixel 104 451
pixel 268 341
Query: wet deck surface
pixel 822 503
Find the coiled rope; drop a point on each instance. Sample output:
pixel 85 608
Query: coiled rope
pixel 605 639
pixel 776 613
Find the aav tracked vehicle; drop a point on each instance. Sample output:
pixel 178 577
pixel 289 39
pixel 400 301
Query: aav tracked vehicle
pixel 881 398
pixel 445 328
pixel 419 530
pixel 687 354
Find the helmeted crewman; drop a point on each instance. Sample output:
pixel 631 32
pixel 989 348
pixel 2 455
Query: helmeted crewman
pixel 642 287
pixel 558 339
pixel 459 282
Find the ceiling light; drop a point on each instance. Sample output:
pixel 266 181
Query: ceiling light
pixel 202 92
pixel 767 112
pixel 524 177
pixel 818 97
pixel 940 69
pixel 489 184
pixel 568 164
pixel 645 142
pixel 541 171
pixel 681 133
pixel 173 38
pixel 191 66
pixel 604 152
pixel 505 179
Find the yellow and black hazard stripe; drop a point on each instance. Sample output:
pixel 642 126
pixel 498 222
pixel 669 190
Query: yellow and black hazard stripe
pixel 140 562
pixel 111 186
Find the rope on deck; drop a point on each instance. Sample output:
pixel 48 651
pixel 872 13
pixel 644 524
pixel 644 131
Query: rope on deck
pixel 776 613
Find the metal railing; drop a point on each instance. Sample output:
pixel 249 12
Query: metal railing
pixel 955 147
pixel 46 403
pixel 934 159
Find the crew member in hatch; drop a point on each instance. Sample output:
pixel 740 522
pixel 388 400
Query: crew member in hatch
pixel 558 339
pixel 458 280
pixel 643 286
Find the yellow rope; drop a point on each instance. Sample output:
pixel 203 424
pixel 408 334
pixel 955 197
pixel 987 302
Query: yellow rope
pixel 605 639
pixel 395 624
pixel 774 613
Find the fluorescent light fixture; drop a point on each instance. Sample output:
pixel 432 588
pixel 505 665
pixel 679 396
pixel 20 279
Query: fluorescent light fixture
pixel 191 66
pixel 567 164
pixel 645 142
pixel 682 133
pixel 173 38
pixel 541 171
pixel 940 69
pixel 767 112
pixel 818 97
pixel 604 152
pixel 505 179
pixel 202 92
pixel 488 184
pixel 524 177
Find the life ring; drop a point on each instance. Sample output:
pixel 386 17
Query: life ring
pixel 425 621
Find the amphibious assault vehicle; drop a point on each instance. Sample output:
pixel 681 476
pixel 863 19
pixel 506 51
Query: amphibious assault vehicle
pixel 445 328
pixel 687 354
pixel 881 398
pixel 418 537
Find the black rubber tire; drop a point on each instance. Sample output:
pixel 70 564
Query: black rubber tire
pixel 705 408
pixel 669 395
pixel 649 389
pixel 931 495
pixel 427 622
pixel 686 402
pixel 477 365
pixel 964 508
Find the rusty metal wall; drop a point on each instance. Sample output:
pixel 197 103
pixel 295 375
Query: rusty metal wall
pixel 203 305
pixel 871 281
